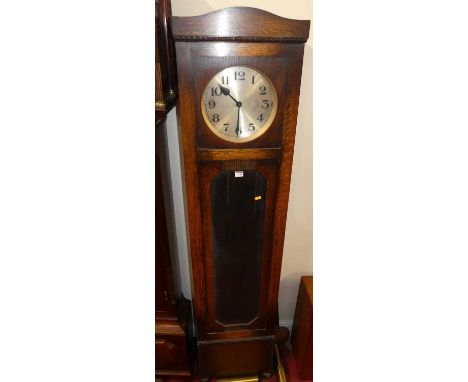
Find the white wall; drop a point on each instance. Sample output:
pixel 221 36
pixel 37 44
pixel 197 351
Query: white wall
pixel 297 258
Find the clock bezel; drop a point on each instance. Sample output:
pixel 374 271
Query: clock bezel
pixel 267 124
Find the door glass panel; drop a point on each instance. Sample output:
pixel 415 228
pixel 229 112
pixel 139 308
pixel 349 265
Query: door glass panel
pixel 238 214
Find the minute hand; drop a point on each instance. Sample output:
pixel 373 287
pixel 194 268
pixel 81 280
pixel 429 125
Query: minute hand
pixel 227 92
pixel 238 130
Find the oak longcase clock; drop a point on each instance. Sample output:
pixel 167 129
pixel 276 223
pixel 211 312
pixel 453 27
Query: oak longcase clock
pixel 239 74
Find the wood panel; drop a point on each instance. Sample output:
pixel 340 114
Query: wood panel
pixel 253 356
pixel 233 154
pixel 282 197
pixel 165 66
pixel 173 343
pixel 240 24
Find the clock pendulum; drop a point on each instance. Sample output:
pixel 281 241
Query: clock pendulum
pixel 239 73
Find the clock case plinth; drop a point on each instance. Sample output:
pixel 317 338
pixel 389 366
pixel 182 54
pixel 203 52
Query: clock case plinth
pixel 232 343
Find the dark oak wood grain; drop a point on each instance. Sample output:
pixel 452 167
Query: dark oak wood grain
pixel 233 154
pixel 240 24
pixel 173 320
pixel 172 316
pixel 173 343
pixel 239 357
pixel 204 46
pixel 165 65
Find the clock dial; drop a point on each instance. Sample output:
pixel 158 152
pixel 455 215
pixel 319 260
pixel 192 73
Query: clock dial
pixel 239 104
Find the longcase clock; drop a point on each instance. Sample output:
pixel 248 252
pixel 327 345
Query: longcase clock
pixel 239 74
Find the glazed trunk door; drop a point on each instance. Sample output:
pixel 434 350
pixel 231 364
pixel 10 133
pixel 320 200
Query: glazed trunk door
pixel 237 200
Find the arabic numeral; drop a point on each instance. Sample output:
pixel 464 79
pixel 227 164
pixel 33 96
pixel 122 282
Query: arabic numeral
pixel 240 75
pixel 266 104
pixel 251 127
pixel 215 118
pixel 216 91
pixel 260 117
pixel 226 126
pixel 262 90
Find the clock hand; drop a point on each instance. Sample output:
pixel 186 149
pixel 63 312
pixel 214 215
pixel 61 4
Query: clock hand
pixel 238 130
pixel 227 92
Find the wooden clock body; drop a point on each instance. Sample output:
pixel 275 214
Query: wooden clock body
pixel 237 193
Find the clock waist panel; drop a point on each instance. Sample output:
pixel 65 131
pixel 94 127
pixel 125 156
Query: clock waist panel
pixel 237 200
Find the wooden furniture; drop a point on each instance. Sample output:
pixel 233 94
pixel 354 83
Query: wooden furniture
pixel 165 68
pixel 301 337
pixel 239 74
pixel 173 315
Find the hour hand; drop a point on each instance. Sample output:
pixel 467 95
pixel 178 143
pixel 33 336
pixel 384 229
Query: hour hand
pixel 224 90
pixel 227 92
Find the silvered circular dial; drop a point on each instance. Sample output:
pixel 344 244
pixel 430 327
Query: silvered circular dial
pixel 239 104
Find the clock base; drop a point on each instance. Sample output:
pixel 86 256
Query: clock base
pixel 235 358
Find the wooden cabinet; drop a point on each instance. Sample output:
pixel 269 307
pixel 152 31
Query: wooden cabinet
pixel 165 67
pixel 301 337
pixel 173 315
